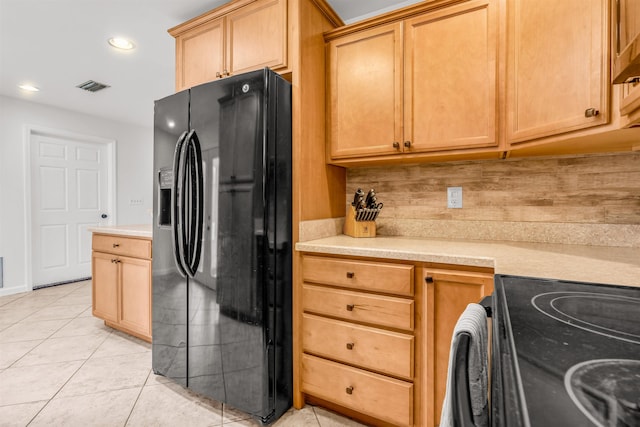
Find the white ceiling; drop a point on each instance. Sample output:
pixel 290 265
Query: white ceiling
pixel 59 44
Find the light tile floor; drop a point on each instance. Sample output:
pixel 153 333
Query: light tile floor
pixel 60 366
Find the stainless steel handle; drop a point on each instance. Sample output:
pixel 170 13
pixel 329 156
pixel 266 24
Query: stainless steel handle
pixel 591 112
pixel 176 217
pixel 194 160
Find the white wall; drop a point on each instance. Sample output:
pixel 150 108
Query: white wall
pixel 134 164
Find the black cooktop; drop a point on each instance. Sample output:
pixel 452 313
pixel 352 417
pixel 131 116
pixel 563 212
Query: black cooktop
pixel 571 350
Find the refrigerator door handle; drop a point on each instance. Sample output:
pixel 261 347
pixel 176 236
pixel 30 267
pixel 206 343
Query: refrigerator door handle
pixel 196 223
pixel 177 217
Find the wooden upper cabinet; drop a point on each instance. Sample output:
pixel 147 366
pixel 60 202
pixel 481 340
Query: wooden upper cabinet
pixel 200 54
pixel 626 39
pixel 450 78
pixel 424 84
pixel 365 92
pixel 557 71
pixel 241 36
pixel 257 37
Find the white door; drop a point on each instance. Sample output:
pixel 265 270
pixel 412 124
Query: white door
pixel 69 193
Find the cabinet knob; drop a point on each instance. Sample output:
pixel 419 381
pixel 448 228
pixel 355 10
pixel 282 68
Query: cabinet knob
pixel 115 260
pixel 349 390
pixel 428 279
pixel 226 73
pixel 350 307
pixel 407 144
pixel 218 75
pixel 350 274
pixel 396 145
pixel 116 245
pixel 350 345
pixel 591 112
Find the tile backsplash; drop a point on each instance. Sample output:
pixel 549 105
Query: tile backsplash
pixel 591 199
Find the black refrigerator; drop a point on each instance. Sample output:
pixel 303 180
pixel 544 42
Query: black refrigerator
pixel 222 242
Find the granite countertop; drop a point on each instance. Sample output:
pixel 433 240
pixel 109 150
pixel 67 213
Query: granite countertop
pixel 598 264
pixel 136 230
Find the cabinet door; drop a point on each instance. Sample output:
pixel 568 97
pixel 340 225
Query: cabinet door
pixel 447 294
pixel 257 37
pixel 105 286
pixel 200 54
pixel 365 92
pixel 627 32
pixel 557 67
pixel 450 78
pixel 135 309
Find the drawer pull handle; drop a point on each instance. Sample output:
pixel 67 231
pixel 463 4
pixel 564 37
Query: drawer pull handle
pixel 350 345
pixel 115 245
pixel 350 274
pixel 350 307
pixel 349 390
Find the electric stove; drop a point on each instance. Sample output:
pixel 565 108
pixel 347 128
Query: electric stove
pixel 565 353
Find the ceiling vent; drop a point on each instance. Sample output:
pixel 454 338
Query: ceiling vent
pixel 92 86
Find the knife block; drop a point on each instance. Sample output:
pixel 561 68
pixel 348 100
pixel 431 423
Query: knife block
pixel 355 228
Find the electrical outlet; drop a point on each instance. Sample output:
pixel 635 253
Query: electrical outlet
pixel 454 197
pixel 135 202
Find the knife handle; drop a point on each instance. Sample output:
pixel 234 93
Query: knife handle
pixel 370 200
pixel 357 198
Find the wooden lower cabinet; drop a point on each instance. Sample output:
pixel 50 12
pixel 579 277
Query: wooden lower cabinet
pixel 447 294
pixel 379 396
pixel 377 350
pixel 121 283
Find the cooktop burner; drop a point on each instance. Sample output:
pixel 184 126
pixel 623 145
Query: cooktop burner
pixel 606 391
pixel 599 313
pixel 570 353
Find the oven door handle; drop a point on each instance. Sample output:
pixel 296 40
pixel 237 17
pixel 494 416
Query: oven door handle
pixel 462 413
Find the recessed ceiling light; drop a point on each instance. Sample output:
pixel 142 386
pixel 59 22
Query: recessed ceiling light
pixel 29 88
pixel 121 43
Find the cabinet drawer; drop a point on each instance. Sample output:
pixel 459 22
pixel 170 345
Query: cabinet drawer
pixel 357 306
pixel 381 397
pixel 127 246
pixel 370 348
pixel 367 275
